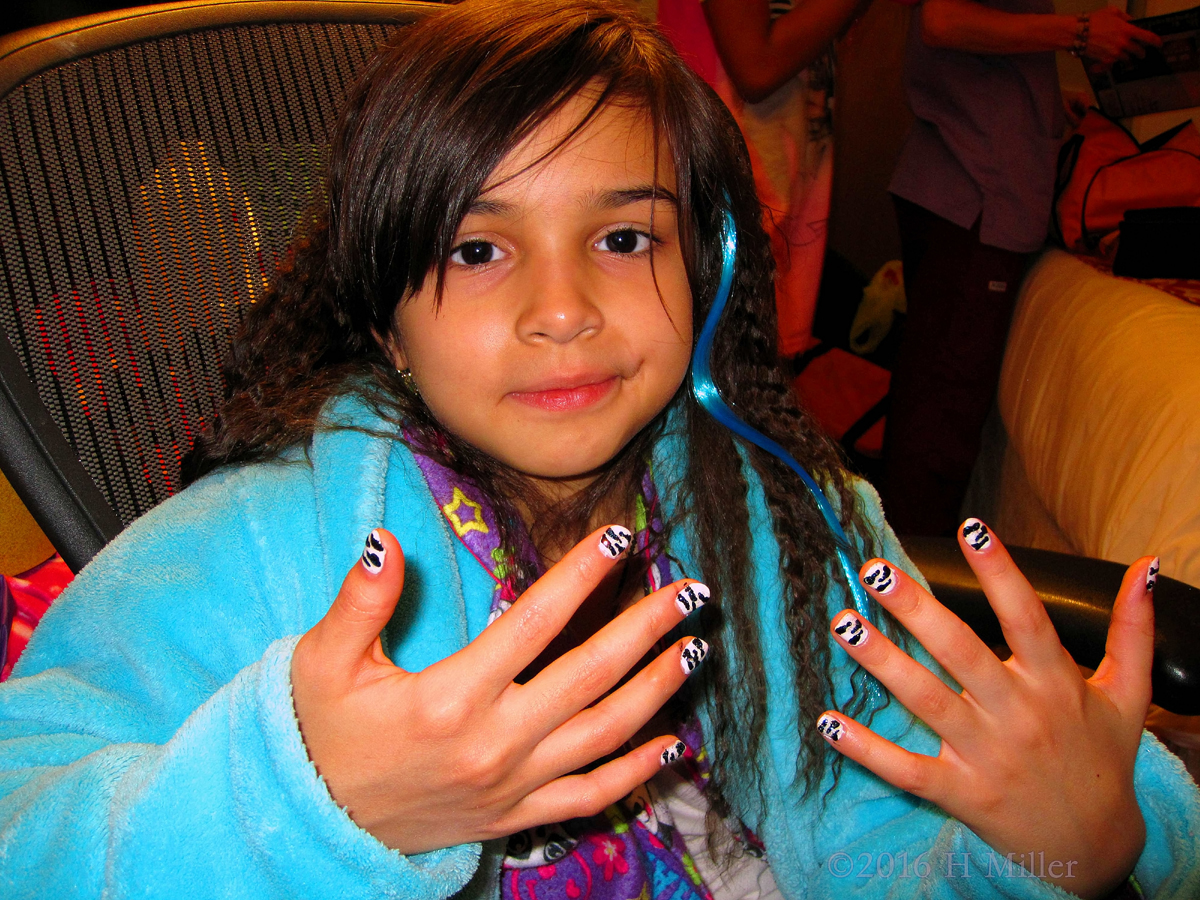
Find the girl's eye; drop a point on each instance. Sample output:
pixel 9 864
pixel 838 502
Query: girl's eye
pixel 475 253
pixel 626 241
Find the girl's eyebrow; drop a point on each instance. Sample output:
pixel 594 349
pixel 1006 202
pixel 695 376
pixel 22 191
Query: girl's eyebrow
pixel 618 198
pixel 480 206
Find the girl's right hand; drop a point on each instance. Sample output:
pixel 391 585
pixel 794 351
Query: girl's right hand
pixel 458 752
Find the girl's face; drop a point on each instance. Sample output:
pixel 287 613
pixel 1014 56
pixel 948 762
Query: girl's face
pixel 553 346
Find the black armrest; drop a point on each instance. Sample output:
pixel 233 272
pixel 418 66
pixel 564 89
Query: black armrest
pixel 45 472
pixel 1078 592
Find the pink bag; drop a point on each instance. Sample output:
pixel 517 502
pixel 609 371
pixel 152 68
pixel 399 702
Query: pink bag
pixel 1103 172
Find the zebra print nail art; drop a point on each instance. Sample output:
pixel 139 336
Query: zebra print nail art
pixel 850 629
pixel 976 534
pixel 615 541
pixel 673 753
pixel 693 596
pixel 1152 575
pixel 374 553
pixel 693 654
pixel 880 578
pixel 831 729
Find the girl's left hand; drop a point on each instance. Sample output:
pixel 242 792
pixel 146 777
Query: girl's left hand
pixel 1033 757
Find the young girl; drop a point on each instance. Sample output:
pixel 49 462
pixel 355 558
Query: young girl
pixel 478 360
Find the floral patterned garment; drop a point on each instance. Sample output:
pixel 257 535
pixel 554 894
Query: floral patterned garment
pixel 632 850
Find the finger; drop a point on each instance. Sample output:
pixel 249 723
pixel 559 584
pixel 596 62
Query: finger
pixel 1149 38
pixel 519 636
pixel 349 632
pixel 1124 673
pixel 579 676
pixel 948 638
pixel 588 794
pixel 1027 628
pixel 923 694
pixel 599 730
pixel 912 772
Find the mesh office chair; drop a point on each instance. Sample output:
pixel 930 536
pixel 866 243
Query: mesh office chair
pixel 153 165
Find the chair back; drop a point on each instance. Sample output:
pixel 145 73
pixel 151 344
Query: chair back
pixel 154 165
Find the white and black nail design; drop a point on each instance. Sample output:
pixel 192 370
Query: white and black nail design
pixel 976 534
pixel 374 553
pixel 615 541
pixel 693 596
pixel 881 578
pixel 1152 575
pixel 850 629
pixel 831 729
pixel 693 654
pixel 673 753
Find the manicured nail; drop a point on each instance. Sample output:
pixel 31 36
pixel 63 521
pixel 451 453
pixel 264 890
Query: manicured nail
pixel 831 729
pixel 976 535
pixel 374 554
pixel 693 654
pixel 615 541
pixel 1152 575
pixel 693 596
pixel 850 629
pixel 673 753
pixel 880 578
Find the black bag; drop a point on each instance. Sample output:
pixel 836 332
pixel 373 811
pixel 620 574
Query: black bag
pixel 1163 242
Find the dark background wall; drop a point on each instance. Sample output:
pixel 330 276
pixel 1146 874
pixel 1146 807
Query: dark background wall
pixel 27 13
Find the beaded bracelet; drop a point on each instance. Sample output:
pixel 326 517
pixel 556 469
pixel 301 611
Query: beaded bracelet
pixel 1083 28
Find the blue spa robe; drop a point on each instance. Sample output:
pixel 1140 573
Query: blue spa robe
pixel 149 748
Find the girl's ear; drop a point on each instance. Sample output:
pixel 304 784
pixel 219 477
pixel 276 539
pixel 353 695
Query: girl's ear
pixel 390 343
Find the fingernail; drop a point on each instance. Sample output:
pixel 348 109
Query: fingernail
pixel 693 596
pixel 831 729
pixel 1152 575
pixel 374 553
pixel 673 753
pixel 850 629
pixel 880 578
pixel 693 654
pixel 976 535
pixel 615 541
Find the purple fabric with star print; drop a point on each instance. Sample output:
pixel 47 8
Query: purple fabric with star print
pixel 631 851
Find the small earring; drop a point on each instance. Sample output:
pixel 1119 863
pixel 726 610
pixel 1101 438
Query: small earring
pixel 410 383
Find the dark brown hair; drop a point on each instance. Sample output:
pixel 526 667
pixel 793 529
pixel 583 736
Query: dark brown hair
pixel 431 118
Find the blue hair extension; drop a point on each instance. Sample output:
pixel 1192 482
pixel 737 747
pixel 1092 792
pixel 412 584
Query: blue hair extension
pixel 710 398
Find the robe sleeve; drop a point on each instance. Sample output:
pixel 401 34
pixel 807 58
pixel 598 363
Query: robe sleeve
pixel 148 742
pixel 870 840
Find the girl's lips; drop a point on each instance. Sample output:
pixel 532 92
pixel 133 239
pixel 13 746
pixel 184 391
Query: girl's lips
pixel 569 398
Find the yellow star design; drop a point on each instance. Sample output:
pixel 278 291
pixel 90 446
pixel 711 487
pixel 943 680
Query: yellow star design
pixel 475 523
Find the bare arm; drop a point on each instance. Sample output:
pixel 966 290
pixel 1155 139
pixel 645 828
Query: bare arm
pixel 760 55
pixel 966 25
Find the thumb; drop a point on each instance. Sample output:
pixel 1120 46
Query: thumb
pixel 1129 652
pixel 350 630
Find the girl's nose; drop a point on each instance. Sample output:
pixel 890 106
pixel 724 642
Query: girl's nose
pixel 560 305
